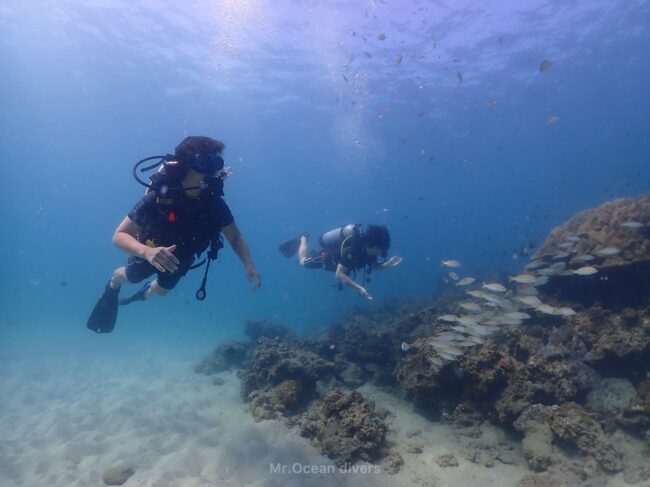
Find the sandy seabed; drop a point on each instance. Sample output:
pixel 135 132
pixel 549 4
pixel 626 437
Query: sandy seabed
pixel 67 418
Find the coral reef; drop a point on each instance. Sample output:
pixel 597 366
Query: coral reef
pixel 351 429
pixel 226 356
pixel 563 375
pixel 617 236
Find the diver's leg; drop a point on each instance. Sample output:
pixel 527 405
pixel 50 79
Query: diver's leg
pixel 155 290
pixel 118 278
pixel 302 250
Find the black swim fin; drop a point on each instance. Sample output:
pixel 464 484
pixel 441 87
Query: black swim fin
pixel 104 315
pixel 290 247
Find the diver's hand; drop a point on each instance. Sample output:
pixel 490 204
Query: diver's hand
pixel 254 278
pixel 162 258
pixel 364 293
pixel 394 261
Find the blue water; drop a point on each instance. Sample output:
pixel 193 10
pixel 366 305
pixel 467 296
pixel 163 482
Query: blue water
pixel 323 126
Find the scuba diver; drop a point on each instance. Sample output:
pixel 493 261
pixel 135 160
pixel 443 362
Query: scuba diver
pixel 181 215
pixel 344 250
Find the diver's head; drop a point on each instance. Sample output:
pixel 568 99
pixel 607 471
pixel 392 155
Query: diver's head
pixel 377 240
pixel 201 154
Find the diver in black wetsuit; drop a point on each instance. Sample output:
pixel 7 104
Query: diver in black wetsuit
pixel 345 250
pixel 181 215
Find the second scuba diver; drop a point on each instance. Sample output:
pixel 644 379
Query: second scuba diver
pixel 181 215
pixel 344 250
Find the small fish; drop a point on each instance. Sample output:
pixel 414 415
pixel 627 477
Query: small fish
pixel 609 251
pixel 398 59
pixel 345 78
pixel 566 312
pixel 566 245
pixel 574 239
pixel 531 301
pixel 523 279
pixel 546 309
pixel 451 263
pixel 559 266
pixel 547 271
pixel 584 258
pixel 517 315
pixel 453 276
pixel 459 328
pixel 492 103
pixel 494 287
pixel 534 264
pixel 527 291
pixel 468 320
pixel 632 225
pixel 406 347
pixel 545 65
pixel 447 356
pixel 436 361
pixel 465 281
pixel 561 255
pixel 475 339
pixel 479 330
pixel 477 294
pixel 586 271
pixel 552 120
pixel 540 281
pixel 448 318
pixel 381 37
pixel 446 337
pixel 469 306
pixel 367 54
pixel 460 76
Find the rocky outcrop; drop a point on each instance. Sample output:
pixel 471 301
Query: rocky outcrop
pixel 226 356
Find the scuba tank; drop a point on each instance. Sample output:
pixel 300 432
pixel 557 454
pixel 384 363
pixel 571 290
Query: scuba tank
pixel 333 239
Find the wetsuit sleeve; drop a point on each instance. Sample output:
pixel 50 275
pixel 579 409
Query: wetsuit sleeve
pixel 144 209
pixel 223 215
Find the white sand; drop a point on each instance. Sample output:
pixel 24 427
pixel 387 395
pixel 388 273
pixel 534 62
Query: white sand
pixel 65 419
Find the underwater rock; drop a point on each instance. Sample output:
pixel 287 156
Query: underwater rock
pixel 611 333
pixel 117 475
pixel 635 475
pixel 353 376
pixel 534 480
pixel 611 397
pixel 262 328
pixel 417 377
pixel 414 448
pixel 351 430
pixel 572 424
pixel 280 376
pixel 622 271
pixel 274 362
pixel 447 460
pixel 537 444
pixel 546 381
pixel 391 463
pixel 636 417
pixel 289 393
pixel 225 356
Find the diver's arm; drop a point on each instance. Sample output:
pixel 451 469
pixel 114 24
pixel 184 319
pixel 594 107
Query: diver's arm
pixel 394 261
pixel 239 245
pixel 125 238
pixel 342 275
